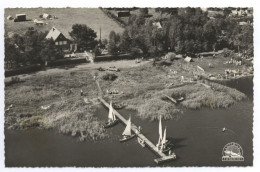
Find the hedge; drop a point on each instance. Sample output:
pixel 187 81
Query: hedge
pixel 113 57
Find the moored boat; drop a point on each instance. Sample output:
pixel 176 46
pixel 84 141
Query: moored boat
pixel 127 134
pixel 163 144
pixel 111 118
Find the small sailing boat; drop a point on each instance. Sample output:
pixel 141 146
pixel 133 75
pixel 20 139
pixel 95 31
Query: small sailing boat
pixel 163 144
pixel 160 134
pixel 127 134
pixel 111 118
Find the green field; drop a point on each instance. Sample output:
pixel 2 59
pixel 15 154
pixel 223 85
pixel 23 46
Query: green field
pixel 92 17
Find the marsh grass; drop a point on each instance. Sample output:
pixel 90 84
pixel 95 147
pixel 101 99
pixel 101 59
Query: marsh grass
pixel 68 113
pixel 144 89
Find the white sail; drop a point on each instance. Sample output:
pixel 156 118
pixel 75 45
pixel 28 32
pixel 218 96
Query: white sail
pixel 127 131
pixel 160 127
pixel 113 113
pixel 164 137
pixel 160 131
pixel 110 114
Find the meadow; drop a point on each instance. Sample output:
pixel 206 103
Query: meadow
pixel 92 17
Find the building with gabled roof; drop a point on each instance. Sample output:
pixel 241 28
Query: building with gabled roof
pixel 60 40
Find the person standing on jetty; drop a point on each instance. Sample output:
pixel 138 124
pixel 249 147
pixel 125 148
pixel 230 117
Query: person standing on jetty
pixel 81 92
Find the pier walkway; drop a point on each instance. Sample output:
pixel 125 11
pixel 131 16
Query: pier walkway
pixel 162 157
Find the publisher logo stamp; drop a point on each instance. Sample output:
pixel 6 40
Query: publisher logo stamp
pixel 232 152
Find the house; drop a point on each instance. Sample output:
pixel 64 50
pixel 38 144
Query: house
pixel 46 16
pixel 188 59
pixel 20 17
pixel 249 12
pixel 9 17
pixel 60 40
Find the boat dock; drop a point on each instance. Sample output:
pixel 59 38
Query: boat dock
pixel 162 157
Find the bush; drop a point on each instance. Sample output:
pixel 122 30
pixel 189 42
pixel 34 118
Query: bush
pixel 228 53
pixel 164 63
pixel 156 108
pixel 109 76
pixel 171 56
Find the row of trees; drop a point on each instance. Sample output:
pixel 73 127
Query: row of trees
pixel 184 30
pixel 33 48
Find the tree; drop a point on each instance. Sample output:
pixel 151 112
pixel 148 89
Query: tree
pixel 97 51
pixel 104 43
pixel 84 36
pixel 125 42
pixel 33 45
pixel 49 51
pixel 11 52
pixel 144 11
pixel 113 43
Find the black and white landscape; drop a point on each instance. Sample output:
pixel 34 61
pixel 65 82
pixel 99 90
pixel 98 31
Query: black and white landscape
pixel 128 87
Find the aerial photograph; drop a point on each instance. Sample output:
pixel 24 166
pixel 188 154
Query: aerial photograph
pixel 128 87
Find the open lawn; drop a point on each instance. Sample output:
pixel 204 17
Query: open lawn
pixel 92 17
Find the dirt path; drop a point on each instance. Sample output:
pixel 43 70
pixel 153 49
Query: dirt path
pixel 86 66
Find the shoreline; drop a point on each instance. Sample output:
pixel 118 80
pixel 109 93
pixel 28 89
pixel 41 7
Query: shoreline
pixel 150 83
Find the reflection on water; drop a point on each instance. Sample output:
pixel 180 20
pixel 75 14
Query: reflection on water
pixel 197 136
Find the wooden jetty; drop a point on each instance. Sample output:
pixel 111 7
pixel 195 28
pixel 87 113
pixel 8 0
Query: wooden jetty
pixel 162 157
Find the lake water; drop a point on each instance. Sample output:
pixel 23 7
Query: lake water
pixel 197 136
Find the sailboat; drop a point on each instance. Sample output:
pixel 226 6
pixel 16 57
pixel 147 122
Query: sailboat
pixel 160 133
pixel 127 134
pixel 163 144
pixel 111 117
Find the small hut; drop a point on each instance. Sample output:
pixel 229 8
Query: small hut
pixel 39 23
pixel 46 16
pixel 9 17
pixel 188 59
pixel 20 17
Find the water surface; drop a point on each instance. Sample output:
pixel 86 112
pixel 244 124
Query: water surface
pixel 197 135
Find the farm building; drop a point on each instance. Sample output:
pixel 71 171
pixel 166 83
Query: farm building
pixel 20 17
pixel 123 13
pixel 9 17
pixel 46 16
pixel 60 40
